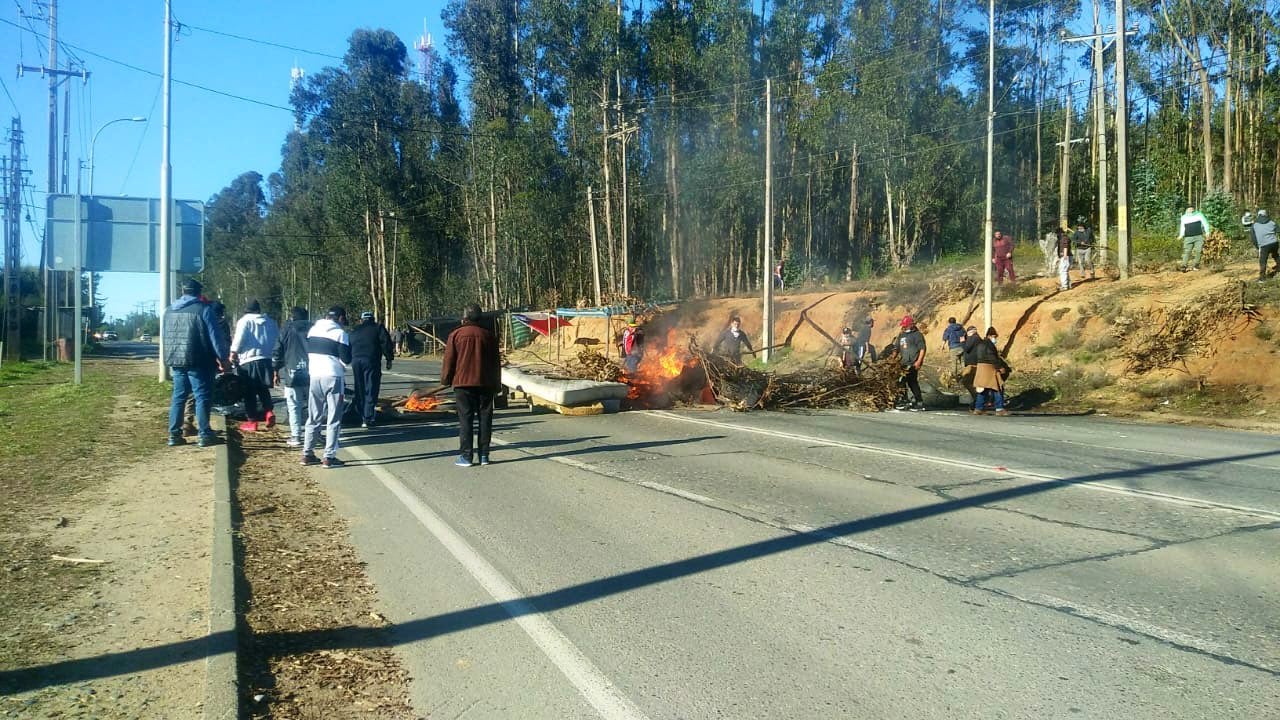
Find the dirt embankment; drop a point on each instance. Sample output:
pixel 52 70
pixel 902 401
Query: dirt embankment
pixel 1197 344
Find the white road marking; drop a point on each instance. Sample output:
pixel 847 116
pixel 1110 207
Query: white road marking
pixel 607 699
pixel 1024 474
pixel 1142 627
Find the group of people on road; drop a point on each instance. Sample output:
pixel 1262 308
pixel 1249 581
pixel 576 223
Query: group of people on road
pixel 309 361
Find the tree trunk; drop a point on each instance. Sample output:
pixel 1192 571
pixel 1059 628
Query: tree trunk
pixel 851 237
pixel 608 203
pixel 1228 149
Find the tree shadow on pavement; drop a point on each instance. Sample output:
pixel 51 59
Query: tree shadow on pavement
pixel 337 638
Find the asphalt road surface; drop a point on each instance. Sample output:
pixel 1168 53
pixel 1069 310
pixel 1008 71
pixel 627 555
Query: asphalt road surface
pixel 828 565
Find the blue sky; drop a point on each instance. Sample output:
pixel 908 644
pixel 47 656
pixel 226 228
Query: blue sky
pixel 214 138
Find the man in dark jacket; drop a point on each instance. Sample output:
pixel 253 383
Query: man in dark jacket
pixel 471 367
pixel 1263 230
pixel 370 346
pixel 731 341
pixel 911 350
pixel 289 360
pixel 193 349
pixel 953 336
pixel 1082 238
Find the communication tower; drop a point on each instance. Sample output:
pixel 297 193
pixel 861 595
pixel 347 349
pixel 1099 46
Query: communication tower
pixel 426 52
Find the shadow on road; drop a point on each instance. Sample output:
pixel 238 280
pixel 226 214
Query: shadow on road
pixel 287 643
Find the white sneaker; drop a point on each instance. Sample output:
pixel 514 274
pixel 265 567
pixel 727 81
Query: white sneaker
pixel 293 442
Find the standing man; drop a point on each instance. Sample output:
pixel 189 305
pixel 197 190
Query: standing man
pixel 1263 229
pixel 370 346
pixel 1064 259
pixel 1002 256
pixel 1082 238
pixel 862 347
pixel 911 350
pixel 256 337
pixel 847 340
pixel 731 341
pixel 471 367
pixel 289 360
pixel 193 349
pixel 328 354
pixel 1192 229
pixel 953 336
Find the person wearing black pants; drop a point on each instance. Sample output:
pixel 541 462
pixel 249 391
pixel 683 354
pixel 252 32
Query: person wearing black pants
pixel 911 350
pixel 370 346
pixel 475 407
pixel 471 367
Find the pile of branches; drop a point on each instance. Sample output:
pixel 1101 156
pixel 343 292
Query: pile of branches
pixel 742 388
pixel 591 365
pixel 1161 338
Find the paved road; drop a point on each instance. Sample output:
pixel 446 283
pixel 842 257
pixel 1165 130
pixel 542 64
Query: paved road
pixel 899 565
pixel 126 348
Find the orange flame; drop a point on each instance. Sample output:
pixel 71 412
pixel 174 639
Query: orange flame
pixel 422 404
pixel 660 367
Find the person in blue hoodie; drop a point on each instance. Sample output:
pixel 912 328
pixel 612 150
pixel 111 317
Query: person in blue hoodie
pixel 193 349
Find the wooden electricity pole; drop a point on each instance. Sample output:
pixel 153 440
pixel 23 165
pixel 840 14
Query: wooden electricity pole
pixel 766 326
pixel 1122 147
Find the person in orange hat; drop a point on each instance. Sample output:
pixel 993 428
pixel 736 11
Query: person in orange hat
pixel 911 352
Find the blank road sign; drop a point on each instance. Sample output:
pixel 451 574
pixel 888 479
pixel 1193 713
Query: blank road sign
pixel 122 234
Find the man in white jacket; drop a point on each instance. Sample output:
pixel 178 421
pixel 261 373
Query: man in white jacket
pixel 1193 228
pixel 328 356
pixel 254 340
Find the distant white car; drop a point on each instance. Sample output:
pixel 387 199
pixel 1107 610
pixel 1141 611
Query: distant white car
pixel 146 337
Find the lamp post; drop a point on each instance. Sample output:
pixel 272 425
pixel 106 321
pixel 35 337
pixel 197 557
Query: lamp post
pixel 95 142
pixel 79 271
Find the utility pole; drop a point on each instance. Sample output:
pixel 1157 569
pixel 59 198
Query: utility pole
pixel 166 191
pixel 1122 147
pixel 987 226
pixel 1100 134
pixel 1064 167
pixel 766 326
pixel 1097 40
pixel 595 249
pixel 12 189
pixel 621 134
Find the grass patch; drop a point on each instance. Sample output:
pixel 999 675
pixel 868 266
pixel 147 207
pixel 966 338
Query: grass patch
pixel 1063 341
pixel 1265 294
pixel 1057 314
pixel 1016 291
pixel 1166 387
pixel 51 429
pixel 1102 343
pixel 1114 303
pixel 1263 332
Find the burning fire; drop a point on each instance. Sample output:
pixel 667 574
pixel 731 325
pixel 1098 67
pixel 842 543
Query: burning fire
pixel 426 403
pixel 662 373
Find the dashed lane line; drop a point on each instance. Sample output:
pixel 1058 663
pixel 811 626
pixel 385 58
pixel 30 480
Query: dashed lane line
pixel 952 462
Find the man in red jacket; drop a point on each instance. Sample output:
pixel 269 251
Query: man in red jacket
pixel 471 367
pixel 1002 256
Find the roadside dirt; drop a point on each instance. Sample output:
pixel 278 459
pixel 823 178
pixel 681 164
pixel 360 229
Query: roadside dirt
pixel 312 643
pixel 1069 348
pixel 119 638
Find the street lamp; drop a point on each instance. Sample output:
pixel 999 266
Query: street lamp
pixel 79 240
pixel 95 142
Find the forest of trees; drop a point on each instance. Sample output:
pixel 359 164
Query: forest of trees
pixel 412 185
